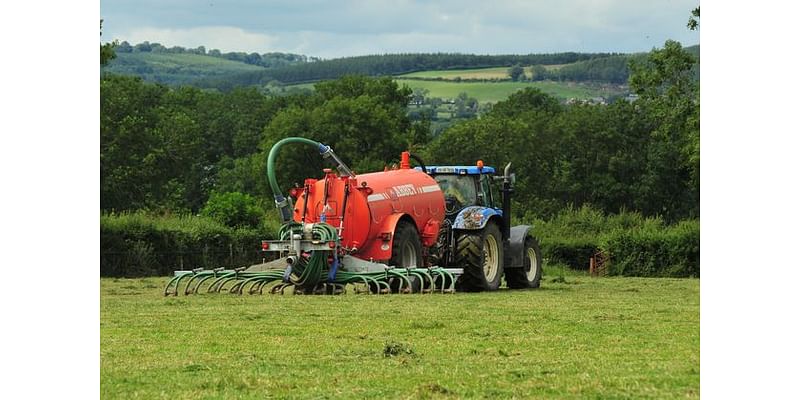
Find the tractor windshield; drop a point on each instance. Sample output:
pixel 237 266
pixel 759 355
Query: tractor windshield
pixel 459 191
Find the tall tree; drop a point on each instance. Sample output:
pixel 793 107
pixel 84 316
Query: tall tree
pixel 106 50
pixel 694 20
pixel 516 72
pixel 670 95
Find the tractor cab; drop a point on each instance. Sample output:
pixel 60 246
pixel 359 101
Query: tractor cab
pixel 465 186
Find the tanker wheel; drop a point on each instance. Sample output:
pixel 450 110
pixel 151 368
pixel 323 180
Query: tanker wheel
pixel 531 274
pixel 481 255
pixel 406 253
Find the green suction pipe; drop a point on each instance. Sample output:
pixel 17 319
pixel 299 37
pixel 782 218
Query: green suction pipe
pixel 281 202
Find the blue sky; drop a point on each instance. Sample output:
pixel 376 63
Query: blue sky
pixel 345 28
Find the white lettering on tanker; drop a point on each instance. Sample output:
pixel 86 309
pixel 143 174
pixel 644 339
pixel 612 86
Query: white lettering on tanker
pixel 404 190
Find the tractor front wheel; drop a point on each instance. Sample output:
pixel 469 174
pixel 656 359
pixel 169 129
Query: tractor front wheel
pixel 481 255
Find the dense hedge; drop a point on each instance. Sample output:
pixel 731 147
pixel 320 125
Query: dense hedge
pixel 573 252
pixel 638 246
pixel 673 251
pixel 142 245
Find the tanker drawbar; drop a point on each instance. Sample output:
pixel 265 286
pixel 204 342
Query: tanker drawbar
pixel 394 231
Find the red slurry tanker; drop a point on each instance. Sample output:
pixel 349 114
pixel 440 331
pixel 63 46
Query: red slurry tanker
pixel 367 209
pixel 423 229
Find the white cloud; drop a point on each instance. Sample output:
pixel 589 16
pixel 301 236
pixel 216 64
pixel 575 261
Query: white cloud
pixel 355 27
pixel 224 38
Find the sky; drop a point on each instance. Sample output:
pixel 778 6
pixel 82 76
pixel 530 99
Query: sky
pixel 331 29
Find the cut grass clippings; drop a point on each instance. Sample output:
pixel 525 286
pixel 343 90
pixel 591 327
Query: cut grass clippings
pixel 580 337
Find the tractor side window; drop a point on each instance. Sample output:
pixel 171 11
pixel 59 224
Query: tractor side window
pixel 486 189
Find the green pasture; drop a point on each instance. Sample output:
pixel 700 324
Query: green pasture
pixel 480 73
pixel 576 337
pixel 476 73
pixel 498 91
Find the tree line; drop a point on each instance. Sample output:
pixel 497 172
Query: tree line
pixel 288 68
pixel 642 156
pixel 388 64
pixel 266 60
pixel 169 149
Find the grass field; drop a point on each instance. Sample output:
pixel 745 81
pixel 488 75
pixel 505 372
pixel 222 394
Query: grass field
pixel 585 338
pixel 478 73
pixel 481 73
pixel 497 91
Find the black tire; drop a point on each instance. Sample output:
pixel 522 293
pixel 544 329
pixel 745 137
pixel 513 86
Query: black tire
pixel 406 252
pixel 526 277
pixel 472 253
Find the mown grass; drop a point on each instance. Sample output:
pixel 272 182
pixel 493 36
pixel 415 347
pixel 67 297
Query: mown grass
pixel 584 338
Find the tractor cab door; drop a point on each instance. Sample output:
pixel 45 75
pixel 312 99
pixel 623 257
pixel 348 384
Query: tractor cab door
pixel 485 193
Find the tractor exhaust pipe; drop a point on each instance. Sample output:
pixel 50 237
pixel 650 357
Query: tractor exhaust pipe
pixel 508 181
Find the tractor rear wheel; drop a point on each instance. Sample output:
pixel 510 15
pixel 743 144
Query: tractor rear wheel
pixel 406 253
pixel 480 253
pixel 531 274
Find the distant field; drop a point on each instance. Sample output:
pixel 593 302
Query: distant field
pixel 498 91
pixel 585 338
pixel 482 73
pixel 167 60
pixel 552 67
pixel 303 86
pixel 175 68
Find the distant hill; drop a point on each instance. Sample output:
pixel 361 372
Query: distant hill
pixel 176 69
pixel 224 71
pixel 391 64
pixel 181 66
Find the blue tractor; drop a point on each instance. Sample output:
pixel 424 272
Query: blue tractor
pixel 477 234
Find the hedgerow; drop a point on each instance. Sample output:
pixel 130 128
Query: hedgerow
pixel 636 245
pixel 138 244
pixel 673 251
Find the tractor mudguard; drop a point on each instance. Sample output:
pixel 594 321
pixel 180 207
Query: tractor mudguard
pixel 475 217
pixel 515 252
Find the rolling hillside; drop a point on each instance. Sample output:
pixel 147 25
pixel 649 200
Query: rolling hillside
pixel 176 69
pixel 391 64
pixel 483 77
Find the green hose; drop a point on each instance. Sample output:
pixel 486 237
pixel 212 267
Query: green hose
pixel 307 274
pixel 283 204
pixel 310 274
